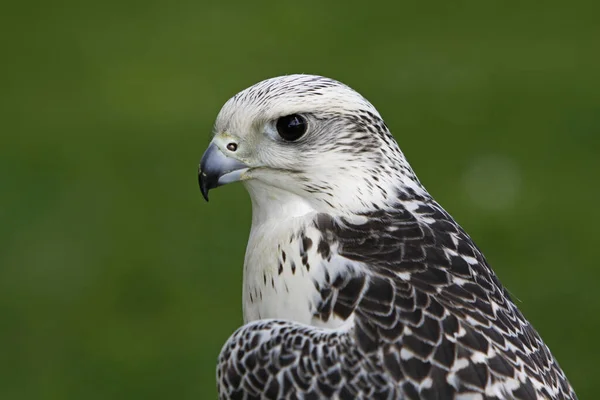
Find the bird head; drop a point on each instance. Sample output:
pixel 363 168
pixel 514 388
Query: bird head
pixel 309 140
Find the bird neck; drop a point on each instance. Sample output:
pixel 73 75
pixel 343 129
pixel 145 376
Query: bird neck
pixel 282 273
pixel 270 203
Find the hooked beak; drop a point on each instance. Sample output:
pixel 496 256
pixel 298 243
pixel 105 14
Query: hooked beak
pixel 216 169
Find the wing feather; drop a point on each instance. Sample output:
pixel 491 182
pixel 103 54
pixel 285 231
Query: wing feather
pixel 428 319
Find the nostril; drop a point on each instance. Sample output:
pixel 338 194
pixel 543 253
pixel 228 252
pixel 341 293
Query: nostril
pixel 231 146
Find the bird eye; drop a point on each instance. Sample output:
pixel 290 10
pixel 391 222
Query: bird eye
pixel 291 127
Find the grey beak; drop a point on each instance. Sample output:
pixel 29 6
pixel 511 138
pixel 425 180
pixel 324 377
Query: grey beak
pixel 216 169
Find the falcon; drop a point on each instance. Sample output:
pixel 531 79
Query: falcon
pixel 356 283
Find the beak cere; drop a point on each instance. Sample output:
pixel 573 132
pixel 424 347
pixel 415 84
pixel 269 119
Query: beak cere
pixel 216 169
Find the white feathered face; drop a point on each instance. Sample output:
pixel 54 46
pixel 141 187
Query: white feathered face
pixel 310 136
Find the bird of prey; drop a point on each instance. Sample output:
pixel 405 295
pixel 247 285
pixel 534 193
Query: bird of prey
pixel 357 283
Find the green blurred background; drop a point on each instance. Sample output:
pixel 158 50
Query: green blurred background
pixel 116 279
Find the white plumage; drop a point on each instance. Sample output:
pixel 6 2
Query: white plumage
pixel 357 284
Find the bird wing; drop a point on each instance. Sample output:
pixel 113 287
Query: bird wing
pixel 427 319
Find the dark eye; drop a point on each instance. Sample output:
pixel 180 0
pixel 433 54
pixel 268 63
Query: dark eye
pixel 291 127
